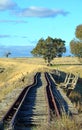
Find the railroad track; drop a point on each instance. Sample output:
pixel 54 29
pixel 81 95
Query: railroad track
pixel 34 106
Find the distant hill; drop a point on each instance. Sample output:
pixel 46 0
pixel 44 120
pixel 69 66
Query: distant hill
pixel 22 51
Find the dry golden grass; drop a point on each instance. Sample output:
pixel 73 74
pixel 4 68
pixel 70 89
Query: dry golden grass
pixel 64 123
pixel 68 64
pixel 66 60
pixel 17 69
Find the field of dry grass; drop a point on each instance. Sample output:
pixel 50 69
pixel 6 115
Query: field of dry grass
pixel 15 73
pixel 15 69
pixel 68 64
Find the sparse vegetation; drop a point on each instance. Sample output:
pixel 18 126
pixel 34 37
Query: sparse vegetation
pixel 64 123
pixel 76 99
pixel 75 96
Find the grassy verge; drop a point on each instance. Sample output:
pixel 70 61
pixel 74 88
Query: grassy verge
pixel 64 123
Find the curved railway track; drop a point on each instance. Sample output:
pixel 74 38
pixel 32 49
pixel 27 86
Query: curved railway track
pixel 34 105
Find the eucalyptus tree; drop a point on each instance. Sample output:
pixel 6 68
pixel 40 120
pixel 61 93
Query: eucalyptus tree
pixel 49 48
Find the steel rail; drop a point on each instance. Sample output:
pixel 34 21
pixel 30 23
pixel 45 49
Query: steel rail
pixel 58 97
pixel 53 101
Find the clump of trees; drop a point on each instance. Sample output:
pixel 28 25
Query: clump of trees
pixel 76 44
pixel 49 48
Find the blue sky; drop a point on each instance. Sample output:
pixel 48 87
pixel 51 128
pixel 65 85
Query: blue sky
pixel 24 22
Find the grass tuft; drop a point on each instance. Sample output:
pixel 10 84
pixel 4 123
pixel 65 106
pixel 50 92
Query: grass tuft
pixel 64 123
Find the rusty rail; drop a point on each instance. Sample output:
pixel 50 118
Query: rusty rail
pixel 51 97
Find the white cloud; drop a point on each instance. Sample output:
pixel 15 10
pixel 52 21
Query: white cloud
pixel 7 4
pixel 40 12
pixel 32 11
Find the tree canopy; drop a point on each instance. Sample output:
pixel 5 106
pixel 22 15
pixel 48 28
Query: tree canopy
pixel 78 32
pixel 49 48
pixel 76 48
pixel 76 44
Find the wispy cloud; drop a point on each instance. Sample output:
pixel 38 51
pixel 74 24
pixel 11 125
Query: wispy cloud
pixel 12 36
pixel 4 36
pixel 13 21
pixel 24 37
pixel 32 11
pixel 17 36
pixel 7 5
pixel 40 12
